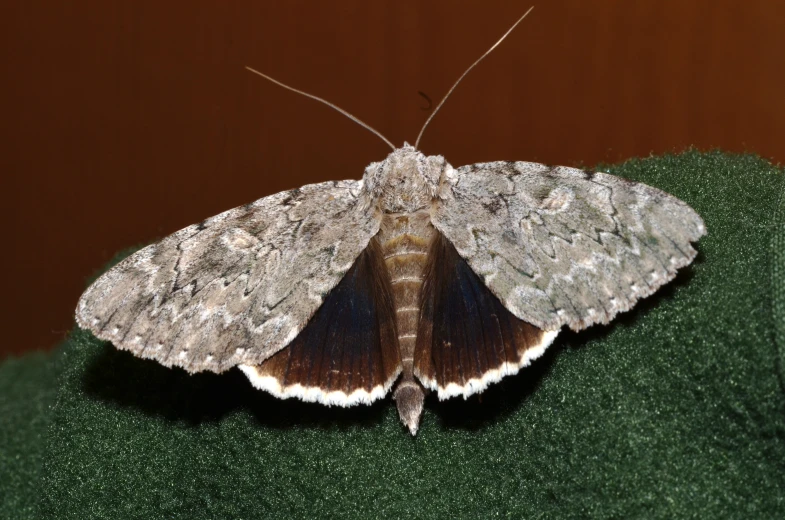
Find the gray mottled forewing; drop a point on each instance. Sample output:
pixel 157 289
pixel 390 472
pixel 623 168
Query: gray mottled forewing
pixel 237 287
pixel 562 246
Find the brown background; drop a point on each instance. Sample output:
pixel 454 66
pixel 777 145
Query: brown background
pixel 125 121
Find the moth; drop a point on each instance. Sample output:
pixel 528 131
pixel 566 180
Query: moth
pixel 420 276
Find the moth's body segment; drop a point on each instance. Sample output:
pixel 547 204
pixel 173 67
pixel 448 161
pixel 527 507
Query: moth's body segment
pixel 420 275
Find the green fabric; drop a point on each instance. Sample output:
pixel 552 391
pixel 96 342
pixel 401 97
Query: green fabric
pixel 27 388
pixel 778 281
pixel 675 410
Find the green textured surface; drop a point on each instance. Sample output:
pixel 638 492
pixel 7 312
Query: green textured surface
pixel 27 386
pixel 778 281
pixel 677 410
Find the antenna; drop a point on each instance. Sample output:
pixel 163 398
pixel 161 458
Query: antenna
pixel 342 111
pixel 417 142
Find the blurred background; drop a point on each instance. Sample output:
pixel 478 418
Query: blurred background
pixel 123 122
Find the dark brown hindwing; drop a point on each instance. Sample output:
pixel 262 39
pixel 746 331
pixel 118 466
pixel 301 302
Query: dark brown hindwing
pixel 350 345
pixel 466 338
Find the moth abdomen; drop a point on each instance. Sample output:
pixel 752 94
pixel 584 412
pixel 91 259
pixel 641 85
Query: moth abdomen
pixel 406 241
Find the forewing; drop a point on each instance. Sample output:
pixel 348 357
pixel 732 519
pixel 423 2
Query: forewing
pixel 237 287
pixel 563 246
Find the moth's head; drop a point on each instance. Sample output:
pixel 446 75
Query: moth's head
pixel 406 181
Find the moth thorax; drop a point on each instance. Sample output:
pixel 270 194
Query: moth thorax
pixel 405 194
pixel 406 181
